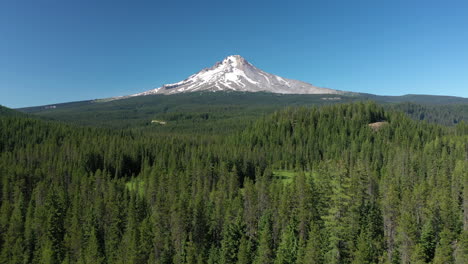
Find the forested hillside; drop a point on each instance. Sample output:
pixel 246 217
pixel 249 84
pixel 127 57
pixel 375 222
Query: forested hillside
pixel 441 114
pixel 227 111
pixel 4 111
pixel 346 183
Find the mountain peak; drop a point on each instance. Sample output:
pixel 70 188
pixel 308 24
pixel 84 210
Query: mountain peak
pixel 234 73
pixel 234 60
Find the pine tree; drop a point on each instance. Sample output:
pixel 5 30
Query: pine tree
pixel 461 253
pixel 363 253
pixel 337 218
pixel 264 253
pixel 418 255
pixel 314 248
pixel 47 254
pixel 232 234
pixel 93 252
pixel 145 241
pixel 14 249
pixel 245 251
pixel 55 226
pixel 428 243
pixel 29 234
pixel 288 247
pixel 444 251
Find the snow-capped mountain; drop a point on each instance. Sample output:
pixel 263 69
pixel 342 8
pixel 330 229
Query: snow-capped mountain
pixel 235 73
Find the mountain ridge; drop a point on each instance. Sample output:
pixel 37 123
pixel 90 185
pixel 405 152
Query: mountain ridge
pixel 235 73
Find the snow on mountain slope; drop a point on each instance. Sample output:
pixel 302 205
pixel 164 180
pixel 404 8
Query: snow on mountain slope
pixel 235 73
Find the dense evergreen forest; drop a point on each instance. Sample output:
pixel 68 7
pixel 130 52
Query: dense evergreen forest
pixel 227 111
pixel 343 183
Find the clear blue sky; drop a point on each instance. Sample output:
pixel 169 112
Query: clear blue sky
pixel 59 51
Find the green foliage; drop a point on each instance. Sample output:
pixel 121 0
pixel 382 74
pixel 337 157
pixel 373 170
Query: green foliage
pixel 461 253
pixel 223 112
pixel 264 252
pixel 288 247
pixel 4 111
pixel 300 185
pixel 428 241
pixel 232 241
pixel 444 251
pixel 244 256
pixel 442 114
pixel 284 175
pixel 314 248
